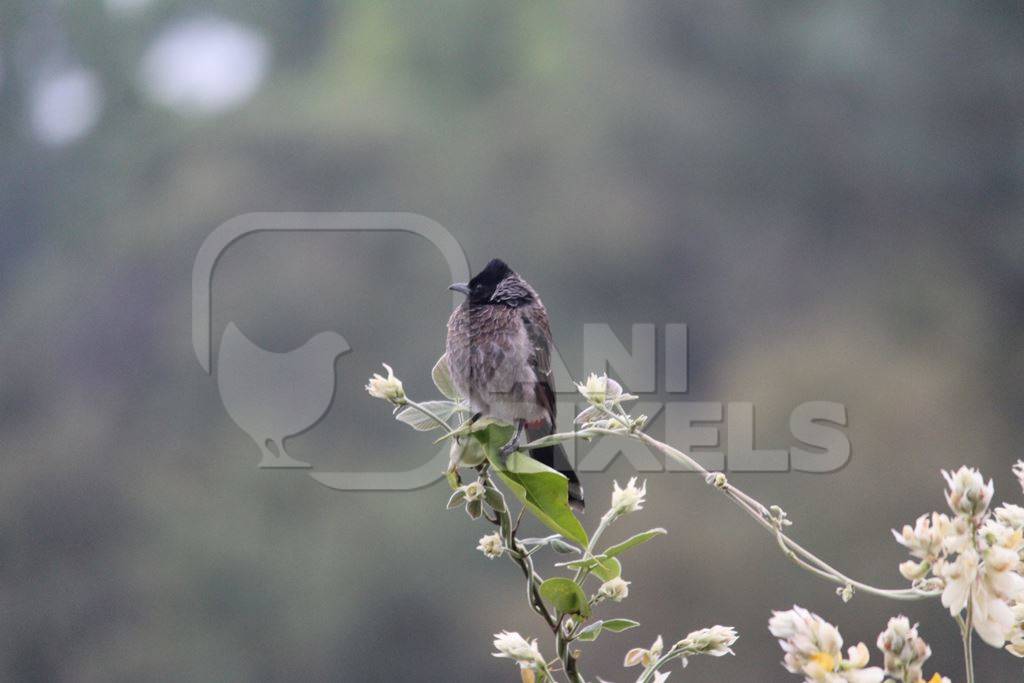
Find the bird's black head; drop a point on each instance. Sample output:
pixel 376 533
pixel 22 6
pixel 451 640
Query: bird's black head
pixel 493 284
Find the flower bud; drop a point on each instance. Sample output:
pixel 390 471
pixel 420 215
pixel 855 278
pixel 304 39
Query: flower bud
pixel 968 494
pixel 715 641
pixel 904 652
pixel 511 645
pixel 387 388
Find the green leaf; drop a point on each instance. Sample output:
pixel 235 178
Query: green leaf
pixel 601 561
pixel 565 595
pixel 538 541
pixel 443 380
pixel 607 569
pixel 590 563
pixel 544 491
pixel 466 428
pixel 465 453
pixel 563 548
pixel 632 541
pixel 620 625
pixel 587 563
pixel 592 631
pixel 556 543
pixel 457 499
pixel 494 499
pixel 418 420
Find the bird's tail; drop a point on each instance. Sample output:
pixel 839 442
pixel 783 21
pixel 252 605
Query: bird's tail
pixel 556 458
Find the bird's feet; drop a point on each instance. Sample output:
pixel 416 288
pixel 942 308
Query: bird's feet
pixel 514 443
pixel 509 448
pixel 469 423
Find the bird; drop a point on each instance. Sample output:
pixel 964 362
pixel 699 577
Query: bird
pixel 272 396
pixel 498 350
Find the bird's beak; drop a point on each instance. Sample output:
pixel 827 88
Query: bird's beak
pixel 460 287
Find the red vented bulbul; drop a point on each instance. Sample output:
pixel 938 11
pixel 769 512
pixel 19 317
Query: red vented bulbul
pixel 499 357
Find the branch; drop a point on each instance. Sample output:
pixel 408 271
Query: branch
pixel 773 523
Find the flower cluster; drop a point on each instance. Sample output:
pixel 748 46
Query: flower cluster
pixel 974 556
pixel 716 641
pixel 903 650
pixel 813 648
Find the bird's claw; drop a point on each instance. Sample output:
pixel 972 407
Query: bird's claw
pixel 514 443
pixel 509 448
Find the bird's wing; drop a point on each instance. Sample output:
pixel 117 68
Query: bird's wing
pixel 538 332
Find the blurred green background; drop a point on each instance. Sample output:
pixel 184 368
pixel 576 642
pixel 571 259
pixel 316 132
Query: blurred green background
pixel 829 194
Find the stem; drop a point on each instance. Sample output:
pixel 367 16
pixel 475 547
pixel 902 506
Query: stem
pixel 519 554
pixel 606 521
pixel 967 624
pixel 803 558
pixel 762 515
pixel 966 634
pixel 648 674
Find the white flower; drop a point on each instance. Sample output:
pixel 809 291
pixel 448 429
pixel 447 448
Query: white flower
pixel 628 499
pixel 1011 515
pixel 597 390
pixel 968 494
pixel 648 657
pixel 715 641
pixel 905 652
pixel 813 648
pixel 388 388
pixel 924 539
pixel 959 576
pixel 994 533
pixel 473 491
pixel 511 645
pixel 614 589
pixel 491 546
pixel 1018 471
pixel 991 583
pixel 601 393
pixel 1016 635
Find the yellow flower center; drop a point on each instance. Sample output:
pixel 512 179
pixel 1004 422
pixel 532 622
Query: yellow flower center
pixel 936 678
pixel 824 660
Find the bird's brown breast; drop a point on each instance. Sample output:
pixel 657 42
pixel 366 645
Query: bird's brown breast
pixel 488 353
